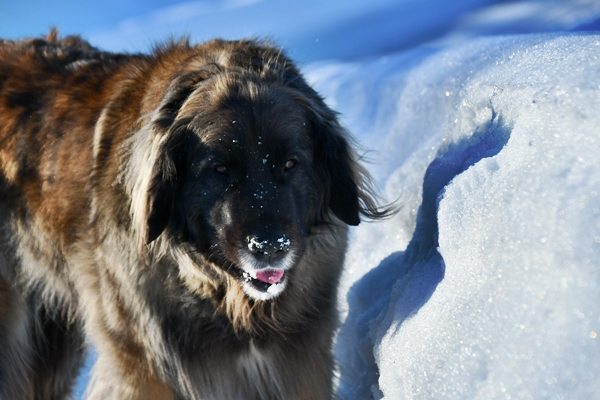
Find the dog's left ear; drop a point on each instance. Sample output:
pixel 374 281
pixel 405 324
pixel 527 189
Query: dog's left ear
pixel 161 192
pixel 335 164
pixel 168 169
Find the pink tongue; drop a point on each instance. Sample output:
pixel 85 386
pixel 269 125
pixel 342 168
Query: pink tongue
pixel 269 275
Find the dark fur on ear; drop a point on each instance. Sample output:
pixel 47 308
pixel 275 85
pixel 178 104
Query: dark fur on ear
pixel 349 192
pixel 334 165
pixel 169 169
pixel 161 192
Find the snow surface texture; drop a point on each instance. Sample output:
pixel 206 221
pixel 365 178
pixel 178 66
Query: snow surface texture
pixel 487 282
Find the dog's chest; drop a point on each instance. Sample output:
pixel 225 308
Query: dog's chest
pixel 258 365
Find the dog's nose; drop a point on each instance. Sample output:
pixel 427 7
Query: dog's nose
pixel 270 248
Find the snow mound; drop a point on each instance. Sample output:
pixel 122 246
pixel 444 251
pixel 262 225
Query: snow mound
pixel 486 282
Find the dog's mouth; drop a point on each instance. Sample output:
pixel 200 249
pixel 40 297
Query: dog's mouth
pixel 264 280
pixel 263 283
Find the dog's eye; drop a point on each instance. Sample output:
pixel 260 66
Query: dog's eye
pixel 221 169
pixel 289 165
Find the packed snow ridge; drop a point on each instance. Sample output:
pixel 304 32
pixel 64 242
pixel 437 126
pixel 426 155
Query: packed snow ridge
pixel 486 284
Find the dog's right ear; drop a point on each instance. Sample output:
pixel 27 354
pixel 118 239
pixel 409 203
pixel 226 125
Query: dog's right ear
pixel 334 163
pixel 348 192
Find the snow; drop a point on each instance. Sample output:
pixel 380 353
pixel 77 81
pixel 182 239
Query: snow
pixel 485 283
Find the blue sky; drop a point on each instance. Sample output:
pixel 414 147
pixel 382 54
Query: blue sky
pixel 33 17
pixel 309 29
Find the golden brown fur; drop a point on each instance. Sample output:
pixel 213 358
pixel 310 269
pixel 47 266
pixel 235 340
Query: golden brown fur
pixel 147 205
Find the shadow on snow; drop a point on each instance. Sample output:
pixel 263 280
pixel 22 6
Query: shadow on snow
pixel 407 278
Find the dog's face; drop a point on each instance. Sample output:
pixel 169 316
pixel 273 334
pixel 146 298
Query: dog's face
pixel 250 195
pixel 249 172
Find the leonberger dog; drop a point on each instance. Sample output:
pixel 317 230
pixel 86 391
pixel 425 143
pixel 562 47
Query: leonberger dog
pixel 182 213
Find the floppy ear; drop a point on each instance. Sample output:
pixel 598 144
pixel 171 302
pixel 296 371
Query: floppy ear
pixel 335 163
pixel 343 200
pixel 168 169
pixel 161 193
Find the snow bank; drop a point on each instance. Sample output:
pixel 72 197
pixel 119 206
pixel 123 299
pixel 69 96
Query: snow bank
pixel 486 283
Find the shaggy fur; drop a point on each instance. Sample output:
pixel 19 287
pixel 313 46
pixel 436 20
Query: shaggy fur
pixel 184 212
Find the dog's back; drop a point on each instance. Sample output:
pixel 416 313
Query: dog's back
pixel 45 164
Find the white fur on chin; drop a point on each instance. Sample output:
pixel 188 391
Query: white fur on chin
pixel 250 266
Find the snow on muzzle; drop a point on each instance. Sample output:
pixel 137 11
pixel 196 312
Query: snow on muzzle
pixel 268 247
pixel 264 266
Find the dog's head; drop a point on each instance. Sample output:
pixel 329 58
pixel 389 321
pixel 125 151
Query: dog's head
pixel 250 161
